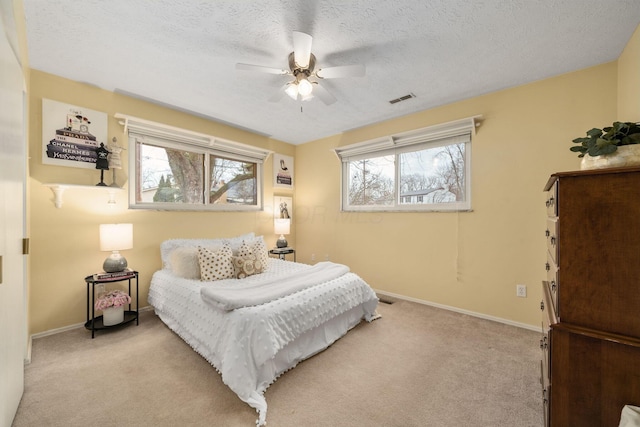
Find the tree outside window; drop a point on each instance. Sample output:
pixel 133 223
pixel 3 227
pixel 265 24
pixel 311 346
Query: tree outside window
pixel 426 169
pixel 173 176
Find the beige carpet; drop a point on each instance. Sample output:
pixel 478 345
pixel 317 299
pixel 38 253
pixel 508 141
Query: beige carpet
pixel 417 366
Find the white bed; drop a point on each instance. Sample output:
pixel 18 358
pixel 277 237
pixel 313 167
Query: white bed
pixel 252 345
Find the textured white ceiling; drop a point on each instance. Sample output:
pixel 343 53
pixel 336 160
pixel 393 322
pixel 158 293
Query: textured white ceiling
pixel 182 53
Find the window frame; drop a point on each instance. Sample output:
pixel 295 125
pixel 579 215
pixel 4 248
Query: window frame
pixel 458 131
pixel 140 131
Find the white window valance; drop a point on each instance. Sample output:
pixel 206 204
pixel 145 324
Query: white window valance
pixel 451 129
pixel 141 128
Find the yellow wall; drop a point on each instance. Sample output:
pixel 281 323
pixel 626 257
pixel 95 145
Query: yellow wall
pixel 64 242
pixel 629 80
pixel 468 260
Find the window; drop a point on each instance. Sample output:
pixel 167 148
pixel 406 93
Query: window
pixel 175 169
pixel 426 169
pixel 371 181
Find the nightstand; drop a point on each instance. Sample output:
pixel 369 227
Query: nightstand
pixel 96 323
pixel 283 252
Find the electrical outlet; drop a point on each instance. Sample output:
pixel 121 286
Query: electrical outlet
pixel 521 291
pixel 326 257
pixel 313 257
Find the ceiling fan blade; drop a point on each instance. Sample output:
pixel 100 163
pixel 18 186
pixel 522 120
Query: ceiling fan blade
pixel 323 94
pixel 341 71
pixel 277 96
pixel 302 48
pixel 261 69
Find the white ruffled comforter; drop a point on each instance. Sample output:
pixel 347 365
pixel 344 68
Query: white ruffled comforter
pixel 243 343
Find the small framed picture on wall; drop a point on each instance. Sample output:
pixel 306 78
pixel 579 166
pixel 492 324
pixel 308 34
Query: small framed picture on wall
pixel 72 135
pixel 282 171
pixel 282 207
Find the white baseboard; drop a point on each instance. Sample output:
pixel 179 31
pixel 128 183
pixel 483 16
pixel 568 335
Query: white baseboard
pixel 389 294
pixel 68 328
pixel 462 311
pixel 27 357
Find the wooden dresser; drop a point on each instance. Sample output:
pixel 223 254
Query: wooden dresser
pixel 590 365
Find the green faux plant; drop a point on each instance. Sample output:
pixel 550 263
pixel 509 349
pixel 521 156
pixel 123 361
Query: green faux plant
pixel 606 140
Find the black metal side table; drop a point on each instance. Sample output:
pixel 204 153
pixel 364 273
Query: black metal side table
pixel 282 252
pixel 96 323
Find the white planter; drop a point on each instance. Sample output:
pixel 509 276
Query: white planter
pixel 625 155
pixel 113 315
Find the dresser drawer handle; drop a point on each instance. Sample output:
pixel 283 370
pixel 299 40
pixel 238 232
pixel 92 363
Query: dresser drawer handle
pixel 553 286
pixel 547 233
pixel 547 266
pixel 542 305
pixel 553 240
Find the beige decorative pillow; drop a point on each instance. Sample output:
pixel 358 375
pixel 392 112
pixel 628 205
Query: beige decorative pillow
pixel 184 262
pixel 244 250
pixel 257 248
pixel 261 252
pixel 246 266
pixel 215 265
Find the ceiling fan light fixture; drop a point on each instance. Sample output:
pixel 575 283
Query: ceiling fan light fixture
pixel 304 87
pixel 292 91
pixel 302 66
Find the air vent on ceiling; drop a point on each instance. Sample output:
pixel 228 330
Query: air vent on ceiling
pixel 402 98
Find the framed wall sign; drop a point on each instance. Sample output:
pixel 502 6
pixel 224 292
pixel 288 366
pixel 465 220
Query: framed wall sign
pixel 282 171
pixel 71 134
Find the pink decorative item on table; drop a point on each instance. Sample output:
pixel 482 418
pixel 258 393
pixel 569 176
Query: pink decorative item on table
pixel 112 306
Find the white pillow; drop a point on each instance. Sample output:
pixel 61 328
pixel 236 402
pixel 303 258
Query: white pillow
pixel 235 242
pixel 168 246
pixel 630 416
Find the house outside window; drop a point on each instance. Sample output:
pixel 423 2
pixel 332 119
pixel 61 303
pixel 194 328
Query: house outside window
pixel 423 170
pixel 176 169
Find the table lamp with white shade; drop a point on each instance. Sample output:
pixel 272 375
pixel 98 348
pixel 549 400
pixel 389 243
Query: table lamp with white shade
pixel 115 238
pixel 282 226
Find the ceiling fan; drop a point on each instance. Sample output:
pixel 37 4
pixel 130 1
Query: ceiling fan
pixel 302 62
